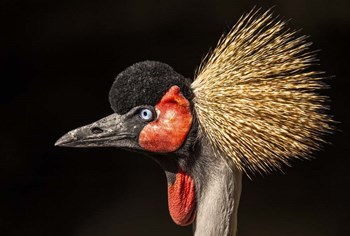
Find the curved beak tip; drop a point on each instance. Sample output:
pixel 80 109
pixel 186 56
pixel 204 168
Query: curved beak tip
pixel 65 140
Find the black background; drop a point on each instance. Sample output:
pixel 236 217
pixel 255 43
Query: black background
pixel 58 61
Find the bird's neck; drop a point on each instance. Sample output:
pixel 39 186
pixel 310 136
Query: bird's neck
pixel 218 197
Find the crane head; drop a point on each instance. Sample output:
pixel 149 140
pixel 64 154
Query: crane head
pixel 153 113
pixel 253 105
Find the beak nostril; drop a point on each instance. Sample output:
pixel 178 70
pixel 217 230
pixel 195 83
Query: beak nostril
pixel 96 130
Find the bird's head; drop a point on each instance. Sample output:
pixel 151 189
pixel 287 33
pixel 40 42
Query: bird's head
pixel 153 113
pixel 255 105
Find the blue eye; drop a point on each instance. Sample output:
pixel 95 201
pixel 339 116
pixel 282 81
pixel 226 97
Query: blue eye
pixel 146 114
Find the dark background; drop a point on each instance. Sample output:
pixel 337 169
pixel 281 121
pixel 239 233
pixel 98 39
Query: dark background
pixel 58 60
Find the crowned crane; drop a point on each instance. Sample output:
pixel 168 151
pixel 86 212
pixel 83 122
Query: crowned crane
pixel 251 108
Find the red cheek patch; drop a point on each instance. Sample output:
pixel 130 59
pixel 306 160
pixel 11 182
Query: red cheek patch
pixel 169 131
pixel 181 199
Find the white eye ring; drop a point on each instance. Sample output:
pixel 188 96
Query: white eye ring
pixel 146 114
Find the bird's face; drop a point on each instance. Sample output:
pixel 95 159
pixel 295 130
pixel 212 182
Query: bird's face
pixel 153 114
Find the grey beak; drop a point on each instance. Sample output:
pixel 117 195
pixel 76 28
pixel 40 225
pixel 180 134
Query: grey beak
pixel 108 131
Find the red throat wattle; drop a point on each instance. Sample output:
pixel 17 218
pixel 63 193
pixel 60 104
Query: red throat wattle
pixel 181 199
pixel 168 132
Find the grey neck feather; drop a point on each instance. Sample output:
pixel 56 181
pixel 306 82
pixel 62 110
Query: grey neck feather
pixel 218 187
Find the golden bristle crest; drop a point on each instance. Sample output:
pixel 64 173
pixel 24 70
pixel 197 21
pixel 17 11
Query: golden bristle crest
pixel 256 98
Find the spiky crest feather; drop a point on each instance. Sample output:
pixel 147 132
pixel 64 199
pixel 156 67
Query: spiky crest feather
pixel 255 95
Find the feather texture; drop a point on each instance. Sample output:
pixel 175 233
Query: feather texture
pixel 256 97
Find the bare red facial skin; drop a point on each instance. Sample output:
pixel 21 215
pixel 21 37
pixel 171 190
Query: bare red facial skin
pixel 166 134
pixel 181 199
pixel 169 131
